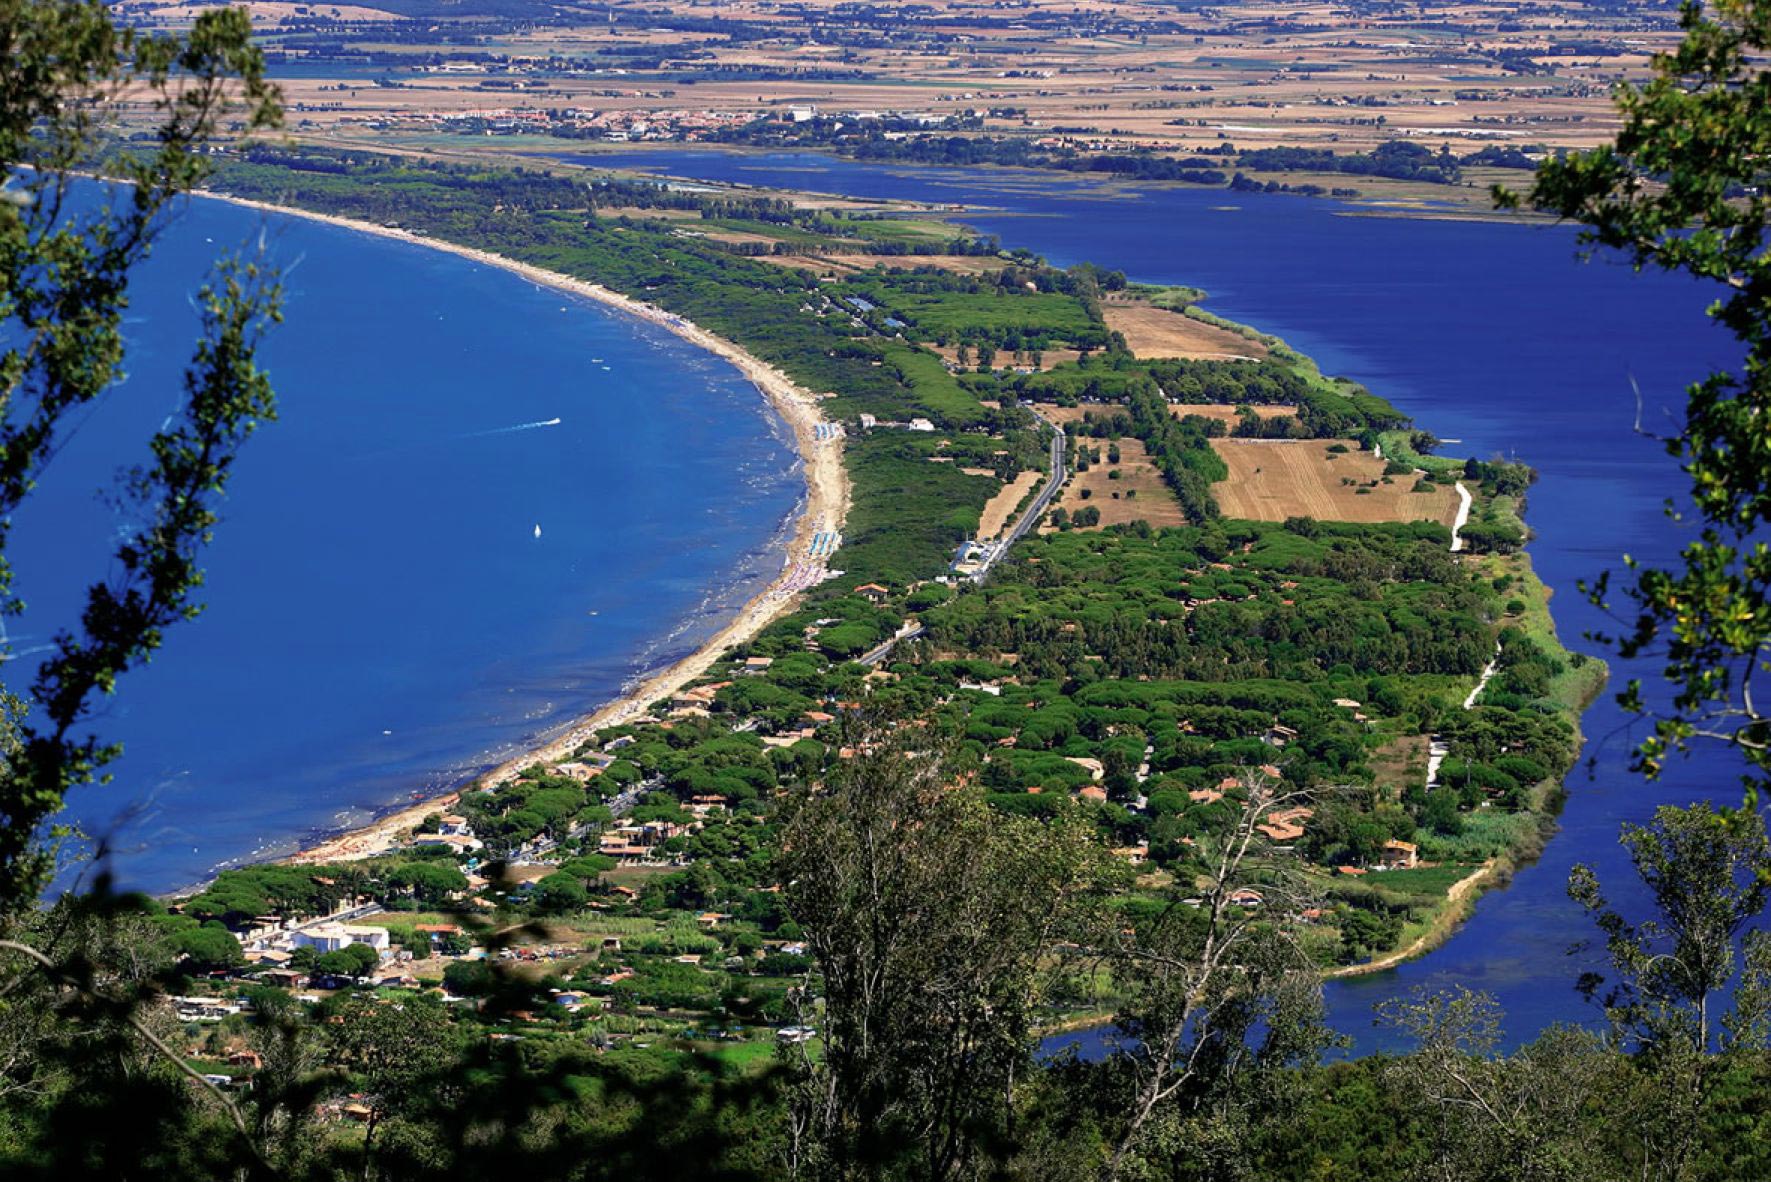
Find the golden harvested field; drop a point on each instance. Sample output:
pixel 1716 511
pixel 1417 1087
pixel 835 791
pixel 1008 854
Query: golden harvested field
pixel 1271 480
pixel 1001 507
pixel 1152 502
pixel 809 262
pixel 1223 412
pixel 1150 331
pixel 731 237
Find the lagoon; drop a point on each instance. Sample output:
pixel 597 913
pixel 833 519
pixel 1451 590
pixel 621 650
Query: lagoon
pixel 1492 334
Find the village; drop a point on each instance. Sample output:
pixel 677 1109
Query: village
pixel 626 895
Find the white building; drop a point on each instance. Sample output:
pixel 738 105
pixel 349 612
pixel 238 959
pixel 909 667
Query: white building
pixel 331 937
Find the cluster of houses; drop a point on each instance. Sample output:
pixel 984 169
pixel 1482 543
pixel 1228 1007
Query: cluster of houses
pixel 612 125
pixel 1283 827
pixel 453 833
pixel 618 125
pixel 271 945
pixel 641 844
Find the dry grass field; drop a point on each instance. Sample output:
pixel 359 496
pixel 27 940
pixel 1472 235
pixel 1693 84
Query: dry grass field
pixel 1225 413
pixel 959 264
pixel 1140 494
pixel 645 214
pixel 1004 359
pixel 1001 507
pixel 807 262
pixel 1063 416
pixel 1222 411
pixel 1150 331
pixel 1400 764
pixel 731 237
pixel 1271 480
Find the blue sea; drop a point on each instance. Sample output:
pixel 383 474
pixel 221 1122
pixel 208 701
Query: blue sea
pixel 485 507
pixel 1495 335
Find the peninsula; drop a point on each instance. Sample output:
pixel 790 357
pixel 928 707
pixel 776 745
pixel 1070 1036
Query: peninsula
pixel 1126 561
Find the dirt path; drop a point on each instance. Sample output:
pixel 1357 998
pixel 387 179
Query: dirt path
pixel 1464 501
pixel 1443 926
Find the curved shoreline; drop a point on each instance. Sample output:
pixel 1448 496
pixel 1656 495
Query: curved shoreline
pixel 1444 926
pixel 826 506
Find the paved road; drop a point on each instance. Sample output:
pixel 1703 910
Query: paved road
pixel 1034 513
pixel 879 653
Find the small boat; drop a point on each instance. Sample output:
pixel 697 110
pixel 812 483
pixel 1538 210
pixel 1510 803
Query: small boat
pixel 537 531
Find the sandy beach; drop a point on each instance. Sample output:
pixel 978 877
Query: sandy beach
pixel 826 507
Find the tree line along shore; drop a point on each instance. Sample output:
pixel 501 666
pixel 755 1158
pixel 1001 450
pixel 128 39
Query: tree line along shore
pixel 1156 682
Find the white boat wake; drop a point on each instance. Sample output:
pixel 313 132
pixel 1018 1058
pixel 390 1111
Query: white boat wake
pixel 553 422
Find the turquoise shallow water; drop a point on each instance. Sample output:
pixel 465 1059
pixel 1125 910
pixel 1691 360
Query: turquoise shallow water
pixel 382 617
